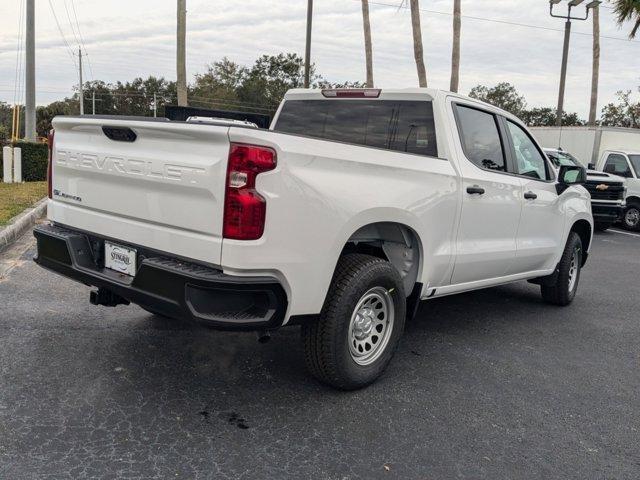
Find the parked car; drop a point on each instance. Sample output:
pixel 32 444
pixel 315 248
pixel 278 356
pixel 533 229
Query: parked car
pixel 355 205
pixel 607 191
pixel 625 164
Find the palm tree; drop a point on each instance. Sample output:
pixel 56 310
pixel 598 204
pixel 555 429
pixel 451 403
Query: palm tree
pixel 455 51
pixel 628 10
pixel 595 66
pixel 367 42
pixel 417 42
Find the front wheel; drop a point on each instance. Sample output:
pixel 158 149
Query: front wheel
pixel 361 322
pixel 631 218
pixel 564 290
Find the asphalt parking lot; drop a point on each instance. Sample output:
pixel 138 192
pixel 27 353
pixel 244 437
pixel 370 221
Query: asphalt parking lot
pixel 493 384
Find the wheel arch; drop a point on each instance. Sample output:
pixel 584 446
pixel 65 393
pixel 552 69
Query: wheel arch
pixel 395 242
pixel 584 229
pixel 633 199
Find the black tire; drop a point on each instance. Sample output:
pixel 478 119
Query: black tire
pixel 564 291
pixel 601 227
pixel 328 354
pixel 631 217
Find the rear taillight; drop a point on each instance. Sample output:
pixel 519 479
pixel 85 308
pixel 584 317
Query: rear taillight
pixel 244 208
pixel 50 163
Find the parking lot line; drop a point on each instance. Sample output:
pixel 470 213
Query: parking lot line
pixel 625 233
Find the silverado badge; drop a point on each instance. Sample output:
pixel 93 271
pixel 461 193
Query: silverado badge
pixel 602 187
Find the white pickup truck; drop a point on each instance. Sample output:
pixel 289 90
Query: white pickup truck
pixel 351 208
pixel 625 164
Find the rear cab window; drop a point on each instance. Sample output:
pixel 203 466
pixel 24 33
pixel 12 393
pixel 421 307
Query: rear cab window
pixel 397 125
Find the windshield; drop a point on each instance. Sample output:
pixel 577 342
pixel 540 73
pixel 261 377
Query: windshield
pixel 635 161
pixel 560 159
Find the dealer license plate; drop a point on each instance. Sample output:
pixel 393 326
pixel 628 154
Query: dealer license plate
pixel 119 258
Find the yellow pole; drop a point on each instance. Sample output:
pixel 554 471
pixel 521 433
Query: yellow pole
pixel 13 123
pixel 18 124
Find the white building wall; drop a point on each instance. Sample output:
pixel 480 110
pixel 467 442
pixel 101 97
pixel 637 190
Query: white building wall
pixel 578 141
pixel 588 143
pixel 626 140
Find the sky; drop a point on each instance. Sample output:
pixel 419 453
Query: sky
pixel 125 39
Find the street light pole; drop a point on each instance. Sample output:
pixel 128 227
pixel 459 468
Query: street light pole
pixel 563 72
pixel 565 47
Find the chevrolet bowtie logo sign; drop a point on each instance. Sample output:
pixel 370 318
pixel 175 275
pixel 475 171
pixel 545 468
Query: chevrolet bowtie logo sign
pixel 602 187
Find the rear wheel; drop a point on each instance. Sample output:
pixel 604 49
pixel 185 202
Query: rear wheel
pixel 361 322
pixel 631 218
pixel 564 290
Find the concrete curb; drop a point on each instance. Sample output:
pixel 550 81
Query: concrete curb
pixel 21 223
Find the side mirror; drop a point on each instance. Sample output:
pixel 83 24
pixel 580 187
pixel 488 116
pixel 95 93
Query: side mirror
pixel 570 175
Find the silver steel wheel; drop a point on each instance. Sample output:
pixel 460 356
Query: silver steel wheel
pixel 371 326
pixel 573 270
pixel 632 217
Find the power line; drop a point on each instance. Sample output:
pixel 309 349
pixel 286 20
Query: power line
pixel 69 51
pixel 503 22
pixel 17 85
pixel 84 46
pixel 73 31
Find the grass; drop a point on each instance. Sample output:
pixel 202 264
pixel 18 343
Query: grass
pixel 15 197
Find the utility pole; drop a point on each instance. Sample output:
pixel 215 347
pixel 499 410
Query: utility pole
pixel 307 50
pixel 81 86
pixel 565 47
pixel 30 75
pixel 181 63
pixel 93 103
pixel 155 105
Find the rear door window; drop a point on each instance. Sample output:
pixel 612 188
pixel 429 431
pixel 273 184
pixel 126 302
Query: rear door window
pixel 403 126
pixel 480 138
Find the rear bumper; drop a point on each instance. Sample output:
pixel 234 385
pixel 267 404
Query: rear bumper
pixel 172 287
pixel 606 212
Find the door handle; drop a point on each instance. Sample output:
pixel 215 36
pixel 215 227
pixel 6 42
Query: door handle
pixel 530 196
pixel 475 190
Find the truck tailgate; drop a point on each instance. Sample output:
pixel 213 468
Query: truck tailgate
pixel 153 183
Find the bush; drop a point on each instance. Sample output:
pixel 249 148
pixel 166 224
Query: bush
pixel 34 161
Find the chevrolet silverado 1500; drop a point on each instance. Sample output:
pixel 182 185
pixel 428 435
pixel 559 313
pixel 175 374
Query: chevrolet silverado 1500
pixel 355 205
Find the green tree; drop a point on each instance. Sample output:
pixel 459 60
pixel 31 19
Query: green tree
pixel 218 86
pixel 45 114
pixel 6 117
pixel 624 113
pixel 503 95
pixel 270 77
pixel 546 117
pixel 628 11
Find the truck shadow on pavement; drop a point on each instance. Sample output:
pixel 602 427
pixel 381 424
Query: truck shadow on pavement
pixel 164 352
